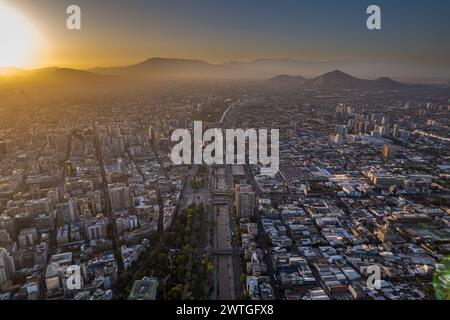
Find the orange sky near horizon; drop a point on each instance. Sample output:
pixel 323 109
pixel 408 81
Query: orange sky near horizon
pixel 126 32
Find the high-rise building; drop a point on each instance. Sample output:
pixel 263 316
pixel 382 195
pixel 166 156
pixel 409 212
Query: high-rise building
pixel 67 212
pixel 118 145
pixel 95 201
pixel 342 130
pixel 389 151
pixel 120 197
pixel 351 123
pixel 97 228
pixel 7 268
pixel 152 134
pixel 126 223
pixel 5 238
pixel 70 169
pixel 7 223
pixel 244 200
pixel 27 237
pixel 395 131
pixel 73 214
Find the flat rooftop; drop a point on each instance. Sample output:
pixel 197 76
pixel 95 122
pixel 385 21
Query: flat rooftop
pixel 144 289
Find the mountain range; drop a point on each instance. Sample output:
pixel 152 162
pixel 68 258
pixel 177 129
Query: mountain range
pixel 340 80
pixel 267 68
pixel 275 72
pixel 256 69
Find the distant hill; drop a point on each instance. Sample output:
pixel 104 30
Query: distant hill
pixel 53 74
pixel 65 74
pixel 286 80
pixel 61 83
pixel 336 80
pixel 161 68
pixel 340 80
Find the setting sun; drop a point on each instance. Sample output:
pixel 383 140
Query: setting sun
pixel 19 40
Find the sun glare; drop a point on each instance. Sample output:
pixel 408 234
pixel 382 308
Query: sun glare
pixel 20 42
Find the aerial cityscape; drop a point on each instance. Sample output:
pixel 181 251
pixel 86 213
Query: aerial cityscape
pixel 94 207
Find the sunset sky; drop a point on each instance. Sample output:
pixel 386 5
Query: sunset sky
pixel 121 32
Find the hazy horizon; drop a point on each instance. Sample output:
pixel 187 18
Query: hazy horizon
pixel 411 44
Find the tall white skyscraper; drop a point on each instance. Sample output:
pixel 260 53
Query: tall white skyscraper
pixel 7 268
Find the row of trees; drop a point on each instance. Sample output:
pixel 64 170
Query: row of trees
pixel 171 260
